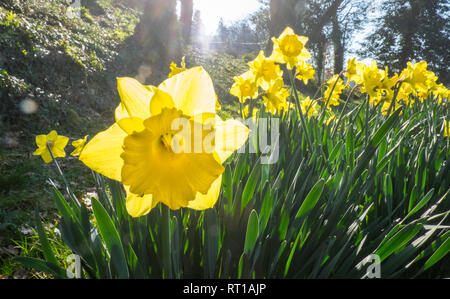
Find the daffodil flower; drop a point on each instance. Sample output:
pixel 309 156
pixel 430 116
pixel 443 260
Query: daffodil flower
pixel 275 97
pixel 304 72
pixel 155 158
pixel 55 142
pixel 354 71
pixel 333 95
pixel 79 145
pixel 416 75
pixel 265 70
pixel 245 87
pixel 290 48
pixel 372 77
pixel 309 107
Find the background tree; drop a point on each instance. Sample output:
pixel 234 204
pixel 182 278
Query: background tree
pixel 187 11
pixel 223 36
pixel 411 30
pixel 198 29
pixel 157 35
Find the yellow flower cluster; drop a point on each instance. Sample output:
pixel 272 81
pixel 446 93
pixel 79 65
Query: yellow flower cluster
pixel 265 72
pixel 417 82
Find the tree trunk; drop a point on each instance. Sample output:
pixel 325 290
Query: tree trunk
pixel 282 15
pixel 157 32
pixel 187 11
pixel 338 46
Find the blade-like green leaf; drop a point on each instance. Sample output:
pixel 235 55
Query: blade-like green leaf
pixel 252 233
pixel 442 251
pixel 111 238
pixel 311 199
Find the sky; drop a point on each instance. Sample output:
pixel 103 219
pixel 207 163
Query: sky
pixel 230 10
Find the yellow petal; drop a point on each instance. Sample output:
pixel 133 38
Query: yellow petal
pixel 58 152
pixel 206 201
pixel 135 99
pixel 61 142
pixel 138 206
pixel 131 124
pixel 192 91
pixel 230 136
pixel 41 140
pixel 160 100
pixel 52 136
pixel 46 156
pixel 102 153
pixel 39 151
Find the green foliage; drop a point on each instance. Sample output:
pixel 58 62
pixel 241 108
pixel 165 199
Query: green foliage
pixel 58 61
pixel 362 188
pixel 398 39
pixel 222 68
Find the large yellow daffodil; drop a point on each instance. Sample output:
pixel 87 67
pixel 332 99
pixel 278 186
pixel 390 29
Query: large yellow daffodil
pixel 158 161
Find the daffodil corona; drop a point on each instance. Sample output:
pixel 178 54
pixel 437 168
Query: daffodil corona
pixel 167 144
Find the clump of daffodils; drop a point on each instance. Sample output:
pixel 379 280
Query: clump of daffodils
pixel 264 79
pixel 168 145
pixel 415 81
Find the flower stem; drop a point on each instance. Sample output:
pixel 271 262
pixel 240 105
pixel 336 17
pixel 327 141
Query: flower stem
pixel 299 110
pixel 68 190
pixel 166 242
pixel 322 114
pixel 336 126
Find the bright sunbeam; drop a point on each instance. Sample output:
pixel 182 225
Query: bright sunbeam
pixel 230 10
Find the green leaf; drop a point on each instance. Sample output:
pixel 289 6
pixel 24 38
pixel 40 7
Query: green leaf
pixel 398 240
pixel 438 254
pixel 250 187
pixel 252 232
pixel 422 203
pixel 45 245
pixel 42 266
pixel 111 238
pixel 311 199
pixel 211 230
